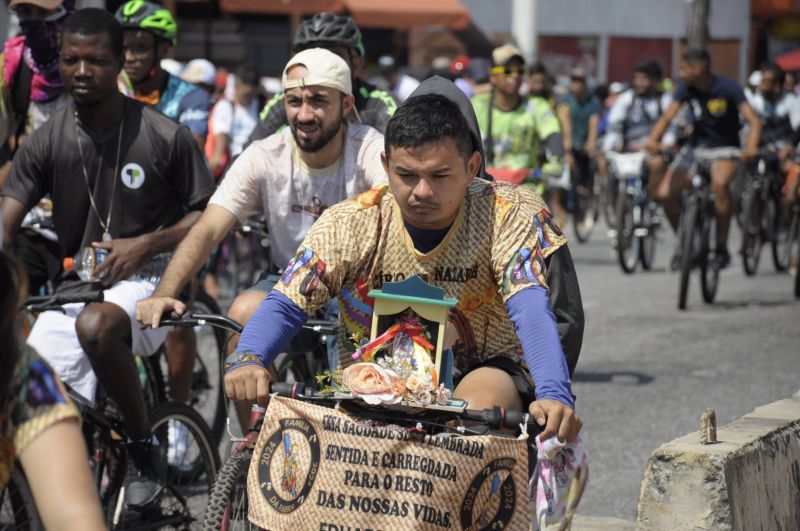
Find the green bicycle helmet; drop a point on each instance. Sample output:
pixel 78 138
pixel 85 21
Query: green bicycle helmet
pixel 327 29
pixel 141 14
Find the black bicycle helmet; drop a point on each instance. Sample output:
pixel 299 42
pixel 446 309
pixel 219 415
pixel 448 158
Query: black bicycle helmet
pixel 328 29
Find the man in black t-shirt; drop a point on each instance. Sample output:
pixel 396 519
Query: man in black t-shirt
pixel 715 103
pixel 122 177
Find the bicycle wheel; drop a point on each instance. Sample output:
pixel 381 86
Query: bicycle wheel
pixel 17 509
pixel 751 231
pixel 687 238
pixel 227 509
pixel 627 243
pixel 208 395
pixel 782 235
pixel 647 243
pixel 709 265
pixel 187 491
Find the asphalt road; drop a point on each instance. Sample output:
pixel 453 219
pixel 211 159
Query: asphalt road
pixel 647 370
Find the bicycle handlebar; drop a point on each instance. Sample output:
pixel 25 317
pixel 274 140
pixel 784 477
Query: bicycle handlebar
pixel 495 418
pixel 220 321
pixel 60 299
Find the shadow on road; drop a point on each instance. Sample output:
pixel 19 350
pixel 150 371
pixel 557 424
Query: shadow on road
pixel 735 305
pixel 615 377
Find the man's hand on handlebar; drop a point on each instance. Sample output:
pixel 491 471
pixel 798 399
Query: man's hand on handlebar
pixel 250 383
pixel 150 311
pixel 749 153
pixel 556 418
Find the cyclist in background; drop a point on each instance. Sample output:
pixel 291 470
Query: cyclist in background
pixel 434 214
pixel 779 112
pixel 584 112
pixel 232 122
pixel 150 30
pixel 716 103
pixel 339 34
pixel 291 177
pixel 123 178
pixel 634 114
pixel 31 87
pixel 518 131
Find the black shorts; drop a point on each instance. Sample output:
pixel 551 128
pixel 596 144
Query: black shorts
pixel 519 375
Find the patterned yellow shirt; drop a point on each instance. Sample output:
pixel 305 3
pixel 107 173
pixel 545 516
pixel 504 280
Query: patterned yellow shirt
pixel 495 248
pixel 36 400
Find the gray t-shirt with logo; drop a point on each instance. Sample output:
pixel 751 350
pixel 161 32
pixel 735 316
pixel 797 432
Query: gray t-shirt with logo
pixel 161 174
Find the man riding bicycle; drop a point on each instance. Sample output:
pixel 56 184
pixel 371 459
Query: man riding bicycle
pixel 291 177
pixel 779 112
pixel 634 114
pixel 518 131
pixel 125 179
pixel 150 31
pixel 340 35
pixel 485 243
pixel 716 103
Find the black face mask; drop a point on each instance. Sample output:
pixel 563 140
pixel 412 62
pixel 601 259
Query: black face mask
pixel 41 37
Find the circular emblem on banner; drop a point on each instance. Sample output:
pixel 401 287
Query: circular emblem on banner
pixel 288 465
pixel 491 498
pixel 132 175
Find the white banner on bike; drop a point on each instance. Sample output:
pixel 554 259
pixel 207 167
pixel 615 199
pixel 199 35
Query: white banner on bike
pixel 316 468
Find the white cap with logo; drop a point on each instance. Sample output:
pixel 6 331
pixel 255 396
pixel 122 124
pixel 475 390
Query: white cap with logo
pixel 325 69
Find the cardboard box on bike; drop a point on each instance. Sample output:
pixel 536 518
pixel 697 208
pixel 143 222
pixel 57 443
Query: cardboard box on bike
pixel 318 468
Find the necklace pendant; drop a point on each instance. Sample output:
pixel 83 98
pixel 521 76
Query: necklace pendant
pixel 106 236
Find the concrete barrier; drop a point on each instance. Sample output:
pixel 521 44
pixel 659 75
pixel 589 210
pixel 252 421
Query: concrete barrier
pixel 749 480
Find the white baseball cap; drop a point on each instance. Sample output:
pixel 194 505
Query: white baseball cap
pixel 325 69
pixel 199 71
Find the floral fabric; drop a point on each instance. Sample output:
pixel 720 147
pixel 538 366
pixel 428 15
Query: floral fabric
pixel 557 465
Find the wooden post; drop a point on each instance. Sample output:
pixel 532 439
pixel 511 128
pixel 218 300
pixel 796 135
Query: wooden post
pixel 697 37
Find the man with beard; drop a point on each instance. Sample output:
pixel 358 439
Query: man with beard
pixel 291 177
pixel 125 179
pixel 150 30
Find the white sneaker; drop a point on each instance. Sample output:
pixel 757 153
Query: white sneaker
pixel 178 448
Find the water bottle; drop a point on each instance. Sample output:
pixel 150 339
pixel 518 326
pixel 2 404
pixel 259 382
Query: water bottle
pixel 154 269
pixel 86 262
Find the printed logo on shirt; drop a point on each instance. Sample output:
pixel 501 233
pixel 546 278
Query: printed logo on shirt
pixel 717 107
pixel 132 175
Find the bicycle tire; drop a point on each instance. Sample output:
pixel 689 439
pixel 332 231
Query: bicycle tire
pixel 751 232
pixel 688 223
pixel 627 243
pixel 229 496
pixel 782 236
pixel 184 499
pixel 17 508
pixel 709 265
pixel 647 244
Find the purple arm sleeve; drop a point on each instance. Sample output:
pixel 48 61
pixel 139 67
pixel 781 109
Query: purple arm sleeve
pixel 274 324
pixel 535 323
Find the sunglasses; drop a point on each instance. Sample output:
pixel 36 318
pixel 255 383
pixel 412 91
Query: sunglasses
pixel 508 70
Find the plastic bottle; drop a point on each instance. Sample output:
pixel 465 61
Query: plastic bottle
pixel 86 262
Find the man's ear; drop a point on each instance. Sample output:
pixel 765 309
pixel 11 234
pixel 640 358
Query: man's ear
pixel 348 102
pixel 162 49
pixel 474 164
pixel 385 162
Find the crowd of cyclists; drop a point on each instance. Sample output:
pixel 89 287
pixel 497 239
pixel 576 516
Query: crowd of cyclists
pixel 358 182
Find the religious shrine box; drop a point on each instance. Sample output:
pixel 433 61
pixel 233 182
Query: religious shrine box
pixel 413 297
